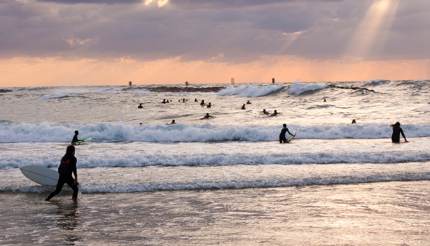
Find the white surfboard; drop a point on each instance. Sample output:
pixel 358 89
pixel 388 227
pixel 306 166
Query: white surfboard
pixel 289 138
pixel 40 175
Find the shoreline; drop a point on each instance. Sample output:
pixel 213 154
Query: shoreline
pixel 379 213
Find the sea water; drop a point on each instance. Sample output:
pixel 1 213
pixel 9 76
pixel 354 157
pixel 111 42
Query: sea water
pixel 134 151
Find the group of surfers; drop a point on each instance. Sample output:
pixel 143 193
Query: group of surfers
pixel 67 168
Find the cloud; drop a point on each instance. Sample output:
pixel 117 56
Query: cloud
pixel 78 42
pixel 92 1
pixel 233 30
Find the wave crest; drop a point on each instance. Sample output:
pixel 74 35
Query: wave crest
pixel 250 90
pixel 122 132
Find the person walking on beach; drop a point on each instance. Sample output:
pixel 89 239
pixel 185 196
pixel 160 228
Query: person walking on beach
pixel 65 170
pixel 397 130
pixel 282 137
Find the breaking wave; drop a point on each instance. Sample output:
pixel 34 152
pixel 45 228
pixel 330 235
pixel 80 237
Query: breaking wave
pixel 298 89
pixel 250 90
pixel 116 159
pixel 124 132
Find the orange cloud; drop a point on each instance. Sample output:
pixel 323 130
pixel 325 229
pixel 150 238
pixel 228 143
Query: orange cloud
pixel 24 71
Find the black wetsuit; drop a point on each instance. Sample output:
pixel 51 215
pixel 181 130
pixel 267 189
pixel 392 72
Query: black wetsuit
pixel 75 139
pixel 282 137
pixel 397 130
pixel 65 170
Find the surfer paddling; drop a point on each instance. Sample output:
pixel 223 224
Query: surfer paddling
pixel 282 137
pixel 65 170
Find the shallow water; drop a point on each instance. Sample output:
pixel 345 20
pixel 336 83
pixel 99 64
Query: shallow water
pixel 367 214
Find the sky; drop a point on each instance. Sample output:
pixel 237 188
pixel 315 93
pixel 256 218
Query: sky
pixel 100 42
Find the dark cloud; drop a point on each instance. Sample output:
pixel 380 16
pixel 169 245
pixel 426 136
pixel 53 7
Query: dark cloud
pixel 191 3
pixel 92 1
pixel 203 29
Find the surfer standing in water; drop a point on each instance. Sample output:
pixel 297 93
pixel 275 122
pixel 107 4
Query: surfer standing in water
pixel 65 170
pixel 397 130
pixel 282 137
pixel 75 139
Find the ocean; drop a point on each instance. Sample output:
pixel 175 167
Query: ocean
pixel 224 180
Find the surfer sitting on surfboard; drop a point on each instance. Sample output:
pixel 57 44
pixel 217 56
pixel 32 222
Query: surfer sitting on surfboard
pixel 282 137
pixel 75 139
pixel 65 170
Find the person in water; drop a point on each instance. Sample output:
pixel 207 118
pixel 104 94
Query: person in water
pixel 65 170
pixel 140 105
pixel 354 121
pixel 275 113
pixel 248 102
pixel 207 116
pixel 209 105
pixel 243 107
pixel 172 123
pixel 202 103
pixel 75 139
pixel 397 130
pixel 265 112
pixel 282 137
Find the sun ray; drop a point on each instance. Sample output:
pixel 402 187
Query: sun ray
pixel 378 18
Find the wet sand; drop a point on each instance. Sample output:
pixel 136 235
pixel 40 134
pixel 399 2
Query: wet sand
pixel 391 213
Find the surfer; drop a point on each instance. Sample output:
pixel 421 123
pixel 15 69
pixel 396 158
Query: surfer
pixel 265 112
pixel 65 170
pixel 282 137
pixel 243 107
pixel 209 105
pixel 354 121
pixel 275 113
pixel 140 105
pixel 248 102
pixel 207 117
pixel 75 139
pixel 397 130
pixel 202 103
pixel 172 123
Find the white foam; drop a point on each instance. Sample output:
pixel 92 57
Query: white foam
pixel 218 154
pixel 115 180
pixel 117 132
pixel 250 90
pixel 303 88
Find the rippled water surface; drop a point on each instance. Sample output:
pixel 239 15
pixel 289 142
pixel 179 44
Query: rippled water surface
pixel 367 214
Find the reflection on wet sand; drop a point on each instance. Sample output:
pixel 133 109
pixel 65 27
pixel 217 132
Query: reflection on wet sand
pixel 67 220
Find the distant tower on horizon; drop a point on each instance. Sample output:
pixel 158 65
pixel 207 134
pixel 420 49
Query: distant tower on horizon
pixel 130 83
pixel 273 81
